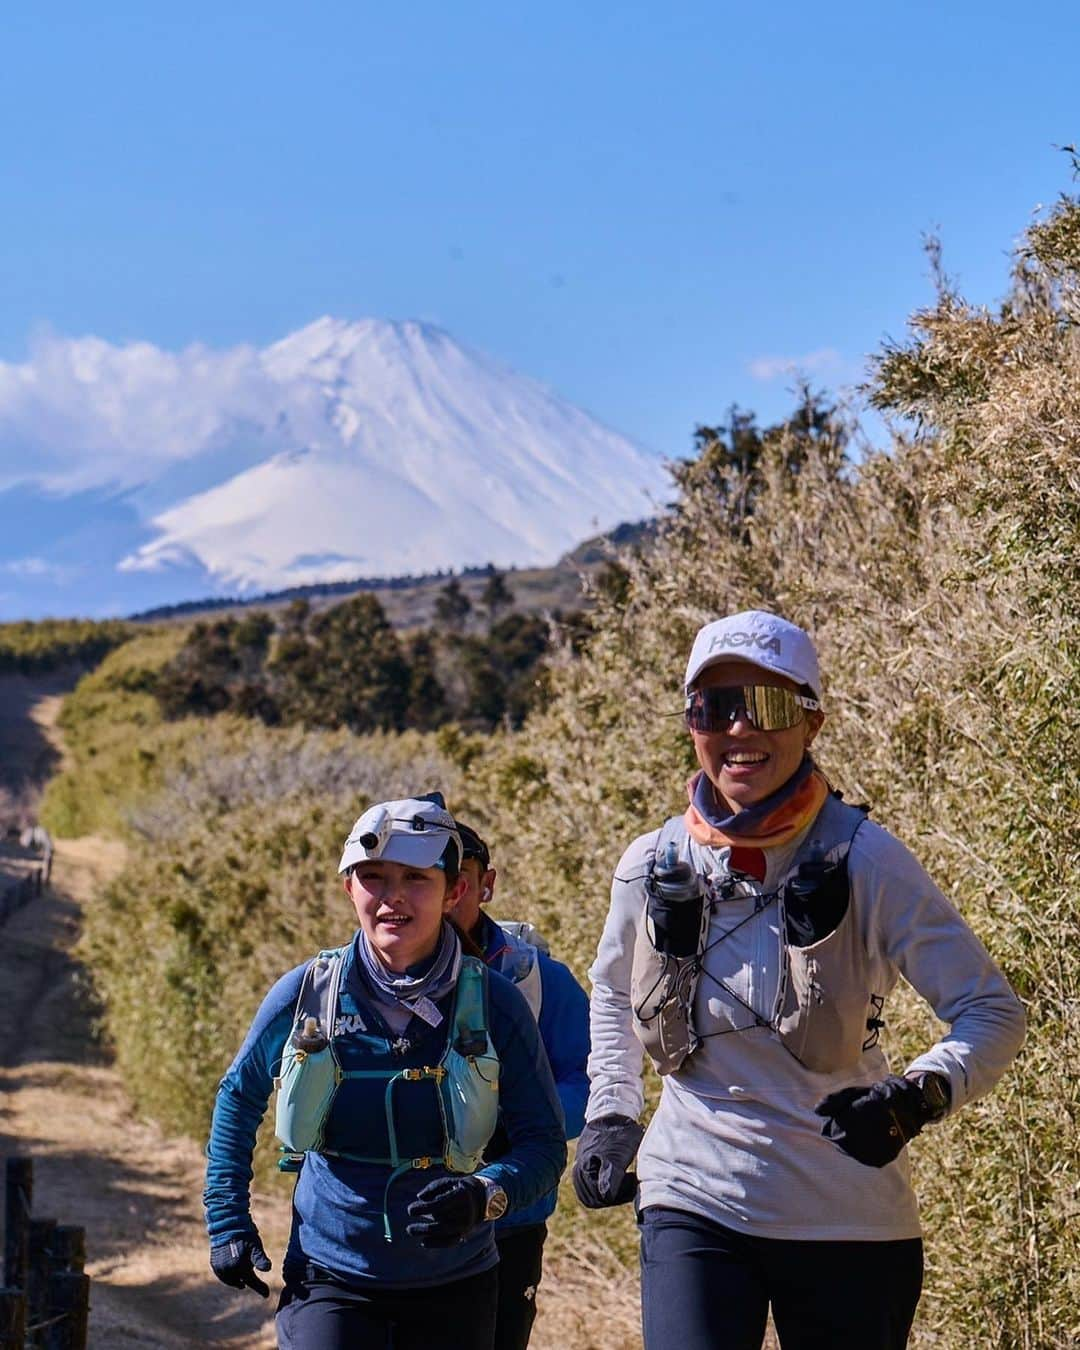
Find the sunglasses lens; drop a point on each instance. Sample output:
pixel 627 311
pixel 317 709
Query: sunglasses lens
pixel 712 709
pixel 765 706
pixel 770 708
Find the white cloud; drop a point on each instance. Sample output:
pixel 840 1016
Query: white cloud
pixel 82 413
pixel 39 569
pixel 824 361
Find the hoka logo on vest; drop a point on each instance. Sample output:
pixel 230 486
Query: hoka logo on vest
pixel 348 1023
pixel 740 639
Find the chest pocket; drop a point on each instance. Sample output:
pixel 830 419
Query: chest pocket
pixel 469 1091
pixel 309 1075
pixel 828 1006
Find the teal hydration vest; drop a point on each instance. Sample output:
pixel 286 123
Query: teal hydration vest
pixel 465 1080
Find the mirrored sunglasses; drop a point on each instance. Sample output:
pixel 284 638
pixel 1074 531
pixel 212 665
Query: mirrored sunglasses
pixel 765 706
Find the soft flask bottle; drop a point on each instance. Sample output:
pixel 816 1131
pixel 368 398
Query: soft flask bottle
pixel 675 900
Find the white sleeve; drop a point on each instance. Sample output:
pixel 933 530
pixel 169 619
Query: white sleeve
pixel 914 926
pixel 616 1055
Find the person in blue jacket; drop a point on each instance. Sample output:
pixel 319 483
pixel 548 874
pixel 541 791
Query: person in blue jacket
pixel 561 1008
pixel 392 1199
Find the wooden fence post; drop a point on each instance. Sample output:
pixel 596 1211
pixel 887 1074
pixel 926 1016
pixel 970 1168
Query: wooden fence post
pixel 18 1198
pixel 38 1269
pixel 12 1319
pixel 69 1247
pixel 66 1311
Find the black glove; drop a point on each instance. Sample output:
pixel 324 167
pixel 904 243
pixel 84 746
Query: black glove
pixel 448 1210
pixel 872 1124
pixel 605 1151
pixel 235 1263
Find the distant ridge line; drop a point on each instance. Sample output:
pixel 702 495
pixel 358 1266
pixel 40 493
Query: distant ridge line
pixel 315 588
pixel 594 550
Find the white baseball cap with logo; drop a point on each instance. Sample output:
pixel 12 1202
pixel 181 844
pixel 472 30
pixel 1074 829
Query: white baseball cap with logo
pixel 761 639
pixel 414 831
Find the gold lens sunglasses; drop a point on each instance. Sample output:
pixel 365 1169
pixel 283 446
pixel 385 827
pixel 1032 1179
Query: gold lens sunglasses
pixel 765 706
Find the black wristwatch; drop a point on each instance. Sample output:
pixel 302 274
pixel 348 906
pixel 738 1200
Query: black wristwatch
pixel 936 1095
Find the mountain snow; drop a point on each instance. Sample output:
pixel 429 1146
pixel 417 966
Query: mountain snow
pixel 390 449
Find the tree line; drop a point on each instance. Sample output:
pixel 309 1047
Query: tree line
pixel 346 666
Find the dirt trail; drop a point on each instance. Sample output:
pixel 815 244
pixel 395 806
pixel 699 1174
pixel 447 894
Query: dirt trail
pixel 135 1189
pixel 96 1163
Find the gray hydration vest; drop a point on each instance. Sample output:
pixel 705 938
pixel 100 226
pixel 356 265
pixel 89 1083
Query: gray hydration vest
pixel 521 962
pixel 823 1009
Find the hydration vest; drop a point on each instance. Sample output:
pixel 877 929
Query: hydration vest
pixel 521 962
pixel 466 1078
pixel 823 1009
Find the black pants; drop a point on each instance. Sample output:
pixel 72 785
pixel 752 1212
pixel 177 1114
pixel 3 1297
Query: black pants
pixel 317 1313
pixel 707 1287
pixel 521 1262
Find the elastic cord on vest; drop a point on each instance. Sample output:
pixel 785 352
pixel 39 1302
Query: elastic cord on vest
pixel 822 1008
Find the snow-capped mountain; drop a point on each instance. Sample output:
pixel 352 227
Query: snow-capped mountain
pixel 132 476
pixel 407 453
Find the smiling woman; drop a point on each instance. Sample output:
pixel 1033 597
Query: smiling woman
pixel 394 1057
pixel 748 739
pixel 400 908
pixel 749 948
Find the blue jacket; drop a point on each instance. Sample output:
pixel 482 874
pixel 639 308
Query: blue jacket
pixel 564 1030
pixel 337 1203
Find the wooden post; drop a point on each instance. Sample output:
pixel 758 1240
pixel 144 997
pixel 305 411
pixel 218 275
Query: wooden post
pixel 67 1312
pixel 12 1319
pixel 69 1247
pixel 18 1197
pixel 39 1268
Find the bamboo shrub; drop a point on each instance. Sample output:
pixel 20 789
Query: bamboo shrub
pixel 940 581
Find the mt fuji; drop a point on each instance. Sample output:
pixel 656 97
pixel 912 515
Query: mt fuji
pixel 365 448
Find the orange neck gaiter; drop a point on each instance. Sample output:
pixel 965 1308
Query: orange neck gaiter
pixel 767 824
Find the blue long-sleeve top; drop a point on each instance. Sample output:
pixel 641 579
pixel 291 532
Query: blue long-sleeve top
pixel 564 1031
pixel 338 1203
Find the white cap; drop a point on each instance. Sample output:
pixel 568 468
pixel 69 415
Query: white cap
pixel 762 639
pixel 412 831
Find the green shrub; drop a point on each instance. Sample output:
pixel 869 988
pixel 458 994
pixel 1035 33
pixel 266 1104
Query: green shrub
pixel 941 583
pixel 115 740
pixel 31 648
pixel 345 666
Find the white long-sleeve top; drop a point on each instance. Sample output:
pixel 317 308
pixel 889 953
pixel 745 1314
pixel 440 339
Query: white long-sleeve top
pixel 734 1138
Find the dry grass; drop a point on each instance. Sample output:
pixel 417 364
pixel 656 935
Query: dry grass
pixel 588 1300
pixel 943 586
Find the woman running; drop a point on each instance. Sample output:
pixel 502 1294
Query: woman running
pixel 394 1057
pixel 749 949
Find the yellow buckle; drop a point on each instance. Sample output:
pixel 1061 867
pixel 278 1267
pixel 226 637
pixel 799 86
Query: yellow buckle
pixel 414 1075
pixel 421 1163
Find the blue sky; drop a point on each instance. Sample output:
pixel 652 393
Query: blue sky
pixel 654 209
